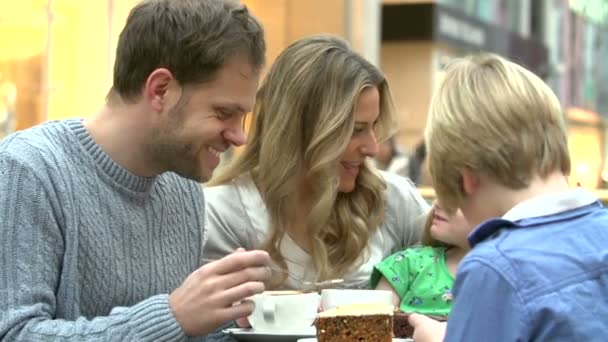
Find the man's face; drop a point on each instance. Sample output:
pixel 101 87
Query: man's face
pixel 206 121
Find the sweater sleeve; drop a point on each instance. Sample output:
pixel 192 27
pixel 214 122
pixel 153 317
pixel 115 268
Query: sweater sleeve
pixel 31 257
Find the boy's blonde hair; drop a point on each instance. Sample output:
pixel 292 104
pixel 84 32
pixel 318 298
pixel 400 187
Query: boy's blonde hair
pixel 495 119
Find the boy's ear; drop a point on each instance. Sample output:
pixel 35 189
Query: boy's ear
pixel 470 182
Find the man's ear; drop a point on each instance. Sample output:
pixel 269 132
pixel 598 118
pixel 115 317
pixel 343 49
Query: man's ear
pixel 156 87
pixel 470 181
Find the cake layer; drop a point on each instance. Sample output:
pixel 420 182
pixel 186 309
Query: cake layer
pixel 356 323
pixel 366 328
pixel 359 310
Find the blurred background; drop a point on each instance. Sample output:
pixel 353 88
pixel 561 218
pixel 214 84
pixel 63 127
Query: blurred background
pixel 56 56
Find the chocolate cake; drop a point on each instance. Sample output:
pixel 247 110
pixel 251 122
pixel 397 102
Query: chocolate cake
pixel 356 323
pixel 401 327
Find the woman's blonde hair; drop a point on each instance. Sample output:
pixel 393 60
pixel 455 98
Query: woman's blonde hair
pixel 496 119
pixel 302 122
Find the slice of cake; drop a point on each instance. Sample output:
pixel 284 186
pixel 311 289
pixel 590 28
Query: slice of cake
pixel 403 329
pixel 358 322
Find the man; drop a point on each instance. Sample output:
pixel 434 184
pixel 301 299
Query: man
pixel 102 223
pixel 538 268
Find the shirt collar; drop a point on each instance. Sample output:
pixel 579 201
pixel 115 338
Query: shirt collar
pixel 550 204
pixel 536 207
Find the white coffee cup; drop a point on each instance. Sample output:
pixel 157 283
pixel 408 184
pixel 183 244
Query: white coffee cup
pixel 331 298
pixel 284 312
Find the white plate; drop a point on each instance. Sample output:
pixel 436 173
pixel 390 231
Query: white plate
pixel 250 335
pixel 394 340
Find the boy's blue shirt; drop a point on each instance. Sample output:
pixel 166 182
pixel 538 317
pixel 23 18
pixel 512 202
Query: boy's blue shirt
pixel 539 273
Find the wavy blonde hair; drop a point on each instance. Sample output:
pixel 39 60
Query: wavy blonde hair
pixel 493 117
pixel 302 122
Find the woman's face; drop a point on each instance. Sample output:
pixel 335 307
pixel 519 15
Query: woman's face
pixel 363 143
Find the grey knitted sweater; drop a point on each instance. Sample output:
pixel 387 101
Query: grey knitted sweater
pixel 89 251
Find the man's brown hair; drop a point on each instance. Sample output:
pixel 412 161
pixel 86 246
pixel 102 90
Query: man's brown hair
pixel 191 38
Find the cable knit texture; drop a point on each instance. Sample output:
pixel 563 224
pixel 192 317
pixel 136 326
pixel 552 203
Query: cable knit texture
pixel 89 251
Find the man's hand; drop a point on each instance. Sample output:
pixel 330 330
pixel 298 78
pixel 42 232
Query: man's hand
pixel 205 300
pixel 427 329
pixel 243 322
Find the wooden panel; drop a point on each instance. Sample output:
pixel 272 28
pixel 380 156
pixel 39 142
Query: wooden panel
pixel 408 68
pixel 584 144
pixel 25 74
pixel 273 16
pixel 357 25
pixel 315 16
pixel 288 20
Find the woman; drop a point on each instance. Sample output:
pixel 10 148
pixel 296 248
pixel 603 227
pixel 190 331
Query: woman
pixel 302 188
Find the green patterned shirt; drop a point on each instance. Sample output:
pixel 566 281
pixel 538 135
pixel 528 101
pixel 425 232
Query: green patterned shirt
pixel 421 278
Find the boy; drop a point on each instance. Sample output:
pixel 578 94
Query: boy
pixel 538 268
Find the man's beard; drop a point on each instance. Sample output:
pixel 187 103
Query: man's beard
pixel 178 157
pixel 169 149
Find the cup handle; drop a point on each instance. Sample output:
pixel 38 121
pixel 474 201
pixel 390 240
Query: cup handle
pixel 268 310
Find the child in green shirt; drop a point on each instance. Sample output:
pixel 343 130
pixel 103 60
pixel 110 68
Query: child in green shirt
pixel 422 277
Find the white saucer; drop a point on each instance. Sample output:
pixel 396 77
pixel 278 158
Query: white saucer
pixel 250 335
pixel 314 339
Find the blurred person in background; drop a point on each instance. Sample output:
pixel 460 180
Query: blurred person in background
pixel 415 168
pixel 102 220
pixel 390 159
